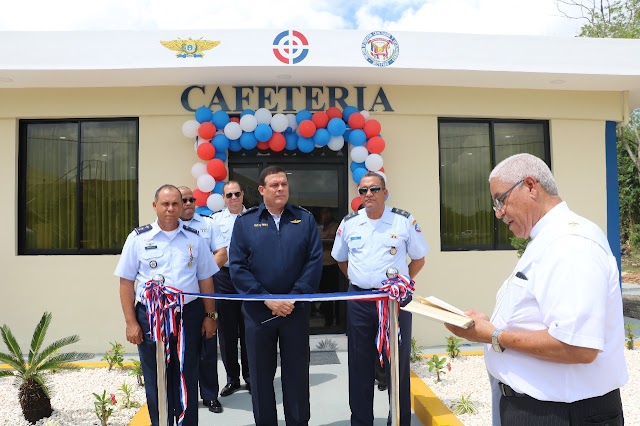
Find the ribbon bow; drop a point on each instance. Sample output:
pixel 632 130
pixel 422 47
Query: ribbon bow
pixel 399 288
pixel 163 304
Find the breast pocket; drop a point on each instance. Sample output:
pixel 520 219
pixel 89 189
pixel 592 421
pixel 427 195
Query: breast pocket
pixel 355 246
pixel 186 256
pixel 514 300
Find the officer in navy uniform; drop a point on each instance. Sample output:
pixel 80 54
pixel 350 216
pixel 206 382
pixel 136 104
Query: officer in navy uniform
pixel 209 231
pixel 230 320
pixel 174 250
pixel 368 243
pixel 276 249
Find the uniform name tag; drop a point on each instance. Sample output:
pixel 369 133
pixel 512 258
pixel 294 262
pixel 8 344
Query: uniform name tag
pixel 150 247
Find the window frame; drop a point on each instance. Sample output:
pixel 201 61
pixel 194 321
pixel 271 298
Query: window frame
pixel 23 124
pixel 491 122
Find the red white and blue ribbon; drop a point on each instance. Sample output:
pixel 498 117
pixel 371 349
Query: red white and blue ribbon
pixel 163 304
pixel 398 288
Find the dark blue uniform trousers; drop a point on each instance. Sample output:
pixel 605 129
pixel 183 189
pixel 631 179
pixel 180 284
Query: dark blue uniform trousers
pixel 362 327
pixel 192 316
pixel 230 329
pixel 208 368
pixel 292 335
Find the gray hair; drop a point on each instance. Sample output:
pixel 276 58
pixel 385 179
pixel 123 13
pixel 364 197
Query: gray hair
pixel 519 166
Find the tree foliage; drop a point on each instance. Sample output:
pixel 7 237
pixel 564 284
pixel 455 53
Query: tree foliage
pixel 604 18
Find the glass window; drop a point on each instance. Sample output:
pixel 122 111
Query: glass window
pixel 78 185
pixel 469 149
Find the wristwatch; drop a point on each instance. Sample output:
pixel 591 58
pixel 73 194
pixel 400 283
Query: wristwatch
pixel 494 340
pixel 213 315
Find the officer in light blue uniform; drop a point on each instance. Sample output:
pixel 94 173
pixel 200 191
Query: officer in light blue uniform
pixel 174 250
pixel 368 243
pixel 230 319
pixel 276 249
pixel 209 231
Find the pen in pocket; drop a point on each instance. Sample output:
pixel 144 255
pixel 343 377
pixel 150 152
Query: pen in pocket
pixel 521 276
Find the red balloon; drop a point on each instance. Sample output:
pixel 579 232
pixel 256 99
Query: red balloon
pixel 207 130
pixel 217 169
pixel 235 119
pixel 206 151
pixel 277 142
pixel 375 145
pixel 372 128
pixel 320 119
pixel 307 128
pixel 263 145
pixel 356 120
pixel 201 197
pixel 355 203
pixel 334 112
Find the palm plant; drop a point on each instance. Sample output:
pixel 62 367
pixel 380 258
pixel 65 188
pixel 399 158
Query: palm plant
pixel 30 375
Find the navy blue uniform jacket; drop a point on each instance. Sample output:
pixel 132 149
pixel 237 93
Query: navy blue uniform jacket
pixel 265 260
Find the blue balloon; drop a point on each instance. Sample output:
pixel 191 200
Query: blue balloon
pixel 203 114
pixel 234 145
pixel 263 132
pixel 336 126
pixel 220 142
pixel 346 134
pixel 292 141
pixel 247 111
pixel 220 119
pixel 346 113
pixel 357 137
pixel 358 174
pixel 248 140
pixel 355 166
pixel 222 156
pixel 306 145
pixel 218 188
pixel 321 137
pixel 303 115
pixel 203 211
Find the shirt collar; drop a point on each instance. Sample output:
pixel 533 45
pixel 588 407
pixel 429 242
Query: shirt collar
pixel 548 218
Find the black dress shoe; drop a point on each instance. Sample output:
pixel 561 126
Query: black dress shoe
pixel 382 386
pixel 247 386
pixel 230 389
pixel 215 406
pixel 206 402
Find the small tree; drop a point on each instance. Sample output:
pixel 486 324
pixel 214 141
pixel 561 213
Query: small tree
pixel 437 364
pixel 33 393
pixel 453 346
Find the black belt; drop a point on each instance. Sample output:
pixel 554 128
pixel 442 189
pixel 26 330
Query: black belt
pixel 507 391
pixel 356 288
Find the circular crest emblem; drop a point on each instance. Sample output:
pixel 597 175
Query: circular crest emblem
pixel 290 47
pixel 380 48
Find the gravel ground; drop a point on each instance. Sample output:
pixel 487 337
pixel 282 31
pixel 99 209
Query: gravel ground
pixel 72 399
pixel 469 376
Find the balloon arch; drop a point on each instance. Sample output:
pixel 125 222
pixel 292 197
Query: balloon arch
pixel 217 132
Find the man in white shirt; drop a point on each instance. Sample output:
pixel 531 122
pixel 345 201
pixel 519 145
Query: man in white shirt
pixel 554 344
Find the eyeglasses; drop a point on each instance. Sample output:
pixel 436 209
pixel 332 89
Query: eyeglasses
pixel 191 200
pixel 231 194
pixel 374 190
pixel 498 202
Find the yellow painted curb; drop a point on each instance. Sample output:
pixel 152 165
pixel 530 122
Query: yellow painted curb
pixel 428 407
pixel 141 418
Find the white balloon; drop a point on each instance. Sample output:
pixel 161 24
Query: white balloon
pixel 291 118
pixel 206 182
pixel 190 128
pixel 279 123
pixel 233 130
pixel 336 143
pixel 248 122
pixel 365 114
pixel 215 202
pixel 198 170
pixel 374 162
pixel 359 154
pixel 263 116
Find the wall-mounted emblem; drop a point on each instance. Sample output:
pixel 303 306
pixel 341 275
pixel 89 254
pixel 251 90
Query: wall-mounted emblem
pixel 290 47
pixel 190 48
pixel 380 48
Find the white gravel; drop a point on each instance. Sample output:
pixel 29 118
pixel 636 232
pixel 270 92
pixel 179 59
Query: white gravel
pixel 72 399
pixel 468 375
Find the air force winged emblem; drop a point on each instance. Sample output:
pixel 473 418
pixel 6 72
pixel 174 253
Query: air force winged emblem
pixel 189 48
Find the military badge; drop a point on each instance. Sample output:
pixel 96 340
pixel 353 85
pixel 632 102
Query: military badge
pixel 189 48
pixel 393 251
pixel 153 264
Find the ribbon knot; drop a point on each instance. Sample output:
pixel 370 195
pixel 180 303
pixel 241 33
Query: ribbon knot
pixel 163 303
pixel 399 289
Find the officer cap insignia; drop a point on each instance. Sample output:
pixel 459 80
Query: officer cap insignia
pixel 400 212
pixel 140 229
pixel 296 221
pixel 190 229
pixel 350 216
pixel 251 210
